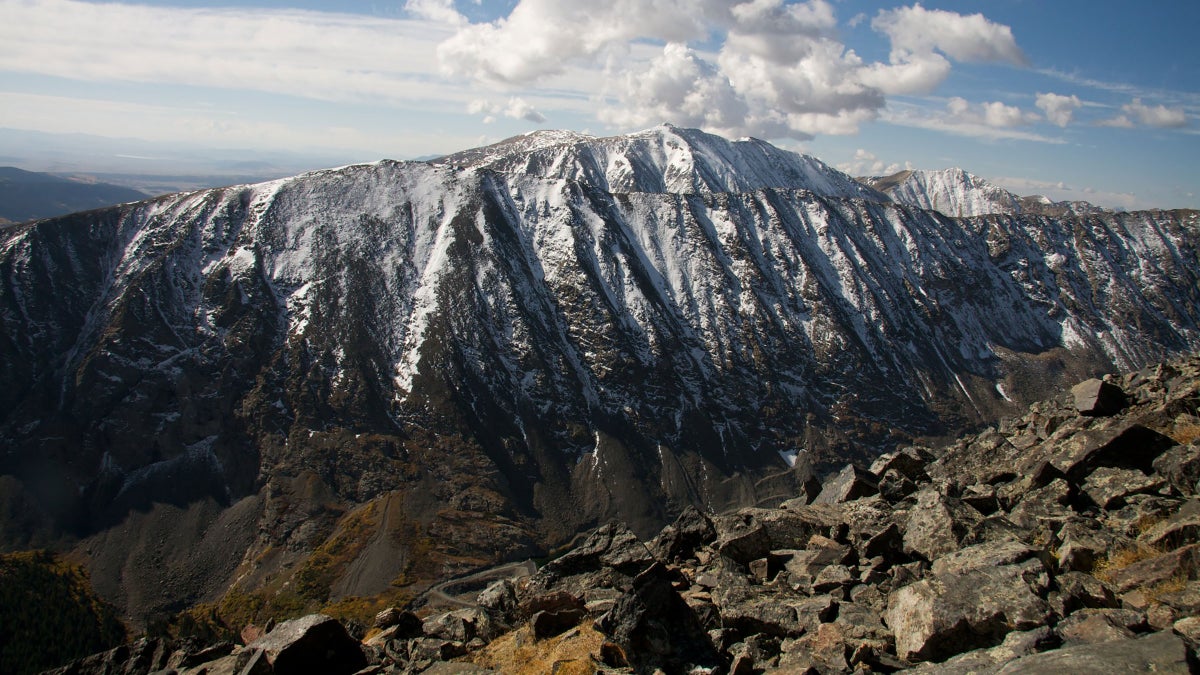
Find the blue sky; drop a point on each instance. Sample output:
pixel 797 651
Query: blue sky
pixel 1078 100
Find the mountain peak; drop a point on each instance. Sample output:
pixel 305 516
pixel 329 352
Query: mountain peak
pixel 663 159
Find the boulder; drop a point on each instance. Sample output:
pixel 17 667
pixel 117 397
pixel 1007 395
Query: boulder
pixel 906 462
pixel 983 556
pixel 1093 626
pixel 948 614
pixel 847 485
pixel 1108 486
pixel 1182 527
pixel 1082 541
pixel 406 624
pixel 679 540
pixel 1014 646
pixel 1162 652
pixel 1115 443
pixel 1182 563
pixel 1077 590
pixel 1180 467
pixel 1097 398
pixel 740 537
pixel 655 628
pixel 499 598
pixel 311 645
pixel 611 550
pixel 937 524
pixel 548 624
pixel 462 625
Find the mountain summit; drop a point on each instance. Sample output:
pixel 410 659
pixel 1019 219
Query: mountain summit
pixel 357 380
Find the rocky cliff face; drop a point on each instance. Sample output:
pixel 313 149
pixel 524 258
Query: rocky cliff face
pixel 383 373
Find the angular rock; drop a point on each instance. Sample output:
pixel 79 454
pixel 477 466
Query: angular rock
pixel 656 628
pixel 1093 626
pixel 1161 652
pixel 1108 487
pixel 1097 398
pixel 406 624
pixel 823 651
pixel 740 537
pixel 832 577
pixel 500 598
pixel 1181 563
pixel 549 624
pixel 1077 590
pixel 1045 507
pixel 894 486
pixel 984 556
pixel 1083 542
pixel 949 614
pixel 1180 467
pixel 610 547
pixel 1183 527
pixel 1188 627
pixel 906 462
pixel 311 645
pixel 849 484
pixel 679 540
pixel 937 524
pixel 1015 645
pixel 982 498
pixel 462 625
pixel 550 602
pixel 1116 444
pixel 888 543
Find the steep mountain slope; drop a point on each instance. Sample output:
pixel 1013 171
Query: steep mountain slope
pixel 25 195
pixel 360 379
pixel 955 192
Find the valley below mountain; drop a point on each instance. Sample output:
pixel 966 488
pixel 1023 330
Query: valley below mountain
pixel 333 390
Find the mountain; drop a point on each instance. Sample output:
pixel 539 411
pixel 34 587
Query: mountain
pixel 1062 540
pixel 353 382
pixel 955 192
pixel 26 195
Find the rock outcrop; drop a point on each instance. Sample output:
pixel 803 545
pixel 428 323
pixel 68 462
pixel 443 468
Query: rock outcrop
pixel 1056 542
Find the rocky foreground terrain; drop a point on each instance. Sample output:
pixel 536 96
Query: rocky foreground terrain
pixel 1063 541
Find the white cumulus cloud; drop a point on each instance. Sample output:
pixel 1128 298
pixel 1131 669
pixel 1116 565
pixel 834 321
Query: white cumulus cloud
pixel 765 68
pixel 1058 109
pixel 517 108
pixel 916 30
pixel 1155 115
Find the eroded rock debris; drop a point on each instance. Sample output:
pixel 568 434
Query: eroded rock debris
pixel 1063 541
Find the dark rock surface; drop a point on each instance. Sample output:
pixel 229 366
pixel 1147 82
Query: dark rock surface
pixel 1068 571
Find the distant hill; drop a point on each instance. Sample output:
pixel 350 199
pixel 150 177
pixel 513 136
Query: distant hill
pixel 28 195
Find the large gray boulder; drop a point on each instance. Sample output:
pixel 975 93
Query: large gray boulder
pixel 948 614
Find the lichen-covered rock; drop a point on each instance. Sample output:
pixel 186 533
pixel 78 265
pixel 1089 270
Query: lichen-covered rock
pixel 956 612
pixel 937 524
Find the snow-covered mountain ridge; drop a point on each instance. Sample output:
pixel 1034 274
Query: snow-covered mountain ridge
pixel 506 345
pixel 957 193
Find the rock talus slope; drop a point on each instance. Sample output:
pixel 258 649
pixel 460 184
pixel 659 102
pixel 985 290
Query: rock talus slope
pixel 396 371
pixel 1063 540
